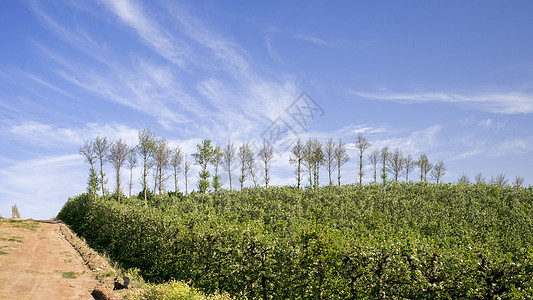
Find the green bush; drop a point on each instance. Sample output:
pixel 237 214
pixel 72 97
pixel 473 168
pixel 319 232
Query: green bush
pixel 415 240
pixel 177 290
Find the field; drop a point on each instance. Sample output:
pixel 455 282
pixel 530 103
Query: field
pixel 414 240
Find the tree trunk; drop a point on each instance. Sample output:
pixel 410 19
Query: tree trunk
pixel 118 184
pixel 229 174
pixel 131 179
pixel 102 177
pixel 175 179
pixel 145 183
pixel 298 175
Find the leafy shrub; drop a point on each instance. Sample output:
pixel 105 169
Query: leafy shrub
pixel 414 240
pixel 177 290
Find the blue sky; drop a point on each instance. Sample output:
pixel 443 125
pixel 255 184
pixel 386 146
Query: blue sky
pixel 452 79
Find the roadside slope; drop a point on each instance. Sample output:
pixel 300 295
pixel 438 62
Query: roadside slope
pixel 37 262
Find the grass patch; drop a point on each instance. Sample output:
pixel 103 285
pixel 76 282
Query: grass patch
pixel 16 239
pixel 27 224
pixel 69 275
pixel 67 261
pixel 3 252
pixel 109 273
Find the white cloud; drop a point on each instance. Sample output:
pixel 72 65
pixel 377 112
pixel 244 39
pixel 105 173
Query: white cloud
pixel 472 145
pixel 39 187
pixel 133 14
pixel 274 56
pixel 515 102
pixel 209 84
pixel 46 135
pixel 491 123
pixel 513 145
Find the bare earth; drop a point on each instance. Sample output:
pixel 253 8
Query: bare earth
pixel 37 262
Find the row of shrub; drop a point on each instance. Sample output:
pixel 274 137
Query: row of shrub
pixel 409 240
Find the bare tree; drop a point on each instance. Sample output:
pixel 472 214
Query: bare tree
pixel 296 157
pixel 438 170
pixel 15 214
pixel 187 165
pixel 88 152
pixel 266 154
pixel 479 178
pixel 161 156
pixel 228 159
pixel 101 147
pixel 396 165
pixel 329 151
pixel 132 162
pixel 175 161
pixel 313 159
pixel 518 181
pixel 464 179
pixel 341 157
pixel 244 152
pixel 384 158
pixel 216 159
pixel 308 160
pixel 251 165
pixel 361 143
pixel 374 160
pixel 146 146
pixel 409 165
pixel 499 180
pixel 424 166
pixel 118 154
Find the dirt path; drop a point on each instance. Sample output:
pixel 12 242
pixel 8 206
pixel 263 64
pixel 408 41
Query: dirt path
pixel 37 262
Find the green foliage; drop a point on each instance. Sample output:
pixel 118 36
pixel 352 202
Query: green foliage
pixel 216 183
pixel 93 182
pixel 203 157
pixel 203 182
pixel 215 161
pixel 177 290
pixel 414 240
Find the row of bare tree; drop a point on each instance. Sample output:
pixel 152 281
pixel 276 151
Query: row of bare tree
pixel 312 154
pixel 253 163
pixel 154 155
pixel 499 180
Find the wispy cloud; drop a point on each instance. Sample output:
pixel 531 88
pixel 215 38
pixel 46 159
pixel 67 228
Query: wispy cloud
pixel 515 102
pixel 168 46
pixel 416 142
pixel 208 84
pixel 40 186
pixel 491 123
pixel 47 135
pixel 474 146
pixel 272 52
pixel 74 35
pixel 49 85
pixel 315 40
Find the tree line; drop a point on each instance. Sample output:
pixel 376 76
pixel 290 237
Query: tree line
pixel 156 158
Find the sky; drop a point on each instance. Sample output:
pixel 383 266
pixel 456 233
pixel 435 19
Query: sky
pixel 451 79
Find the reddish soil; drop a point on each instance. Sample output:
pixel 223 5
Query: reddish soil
pixel 38 262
